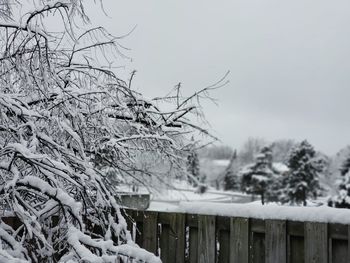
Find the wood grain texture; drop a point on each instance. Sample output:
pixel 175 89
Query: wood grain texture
pixel 150 232
pixel 275 241
pixel 206 239
pixel 316 242
pixel 177 238
pixel 239 240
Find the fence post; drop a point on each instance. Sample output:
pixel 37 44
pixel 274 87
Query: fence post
pixel 275 241
pixel 316 242
pixel 150 232
pixel 177 238
pixel 206 239
pixel 239 240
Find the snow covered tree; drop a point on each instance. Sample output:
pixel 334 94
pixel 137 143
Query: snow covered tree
pixel 231 179
pixel 281 150
pixel 302 180
pixel 344 169
pixel 64 115
pixel 274 191
pixel 250 149
pixel 342 200
pixel 257 177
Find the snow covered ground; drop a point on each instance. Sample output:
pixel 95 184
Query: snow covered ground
pixel 170 198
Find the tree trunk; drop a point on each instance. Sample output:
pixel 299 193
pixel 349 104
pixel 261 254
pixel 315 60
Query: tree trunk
pixel 262 198
pixel 304 197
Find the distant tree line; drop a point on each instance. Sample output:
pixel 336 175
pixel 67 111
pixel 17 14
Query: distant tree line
pixel 283 171
pixel 273 183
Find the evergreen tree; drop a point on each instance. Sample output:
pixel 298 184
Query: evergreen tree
pixel 274 191
pixel 345 166
pixel 302 181
pixel 193 168
pixel 231 179
pixel 257 177
pixel 342 200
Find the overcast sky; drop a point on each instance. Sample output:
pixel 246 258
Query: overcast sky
pixel 289 62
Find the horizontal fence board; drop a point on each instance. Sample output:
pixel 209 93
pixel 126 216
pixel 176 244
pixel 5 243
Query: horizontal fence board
pixel 338 231
pixel 295 228
pixel 257 225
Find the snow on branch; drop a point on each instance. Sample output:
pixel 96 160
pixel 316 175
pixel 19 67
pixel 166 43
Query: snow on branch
pixel 65 119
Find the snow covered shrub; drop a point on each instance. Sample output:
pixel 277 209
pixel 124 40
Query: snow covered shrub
pixel 201 188
pixel 342 200
pixel 64 115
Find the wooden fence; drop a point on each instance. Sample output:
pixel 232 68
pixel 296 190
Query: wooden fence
pixel 191 238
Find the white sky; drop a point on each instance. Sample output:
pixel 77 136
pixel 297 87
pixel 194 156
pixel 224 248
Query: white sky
pixel 289 62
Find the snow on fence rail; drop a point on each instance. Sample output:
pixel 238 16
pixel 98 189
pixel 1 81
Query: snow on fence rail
pixel 184 237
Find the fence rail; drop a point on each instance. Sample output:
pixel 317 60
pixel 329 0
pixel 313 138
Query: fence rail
pixel 179 238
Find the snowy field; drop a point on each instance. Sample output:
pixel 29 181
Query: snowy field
pixel 168 199
pixel 173 199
